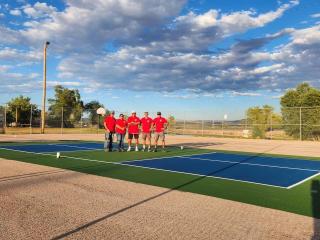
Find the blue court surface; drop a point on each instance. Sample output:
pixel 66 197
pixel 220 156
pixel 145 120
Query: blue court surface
pixel 67 147
pixel 270 171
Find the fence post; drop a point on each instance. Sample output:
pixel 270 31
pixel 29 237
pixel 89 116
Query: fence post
pixel 16 117
pixel 98 124
pixel 222 127
pixel 300 125
pixel 5 117
pixel 61 120
pixel 81 121
pixel 202 126
pixel 31 119
pixel 271 125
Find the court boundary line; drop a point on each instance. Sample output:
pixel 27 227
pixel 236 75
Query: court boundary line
pixel 82 150
pixel 157 169
pixel 70 146
pixel 302 181
pixel 255 164
pixel 226 161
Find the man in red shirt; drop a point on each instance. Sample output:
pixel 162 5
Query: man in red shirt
pixel 121 129
pixel 146 126
pixel 160 125
pixel 110 127
pixel 133 130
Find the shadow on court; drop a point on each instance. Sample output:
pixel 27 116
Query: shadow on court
pixel 197 179
pixel 315 203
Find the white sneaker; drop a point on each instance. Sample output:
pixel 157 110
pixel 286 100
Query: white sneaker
pixel 129 149
pixel 137 150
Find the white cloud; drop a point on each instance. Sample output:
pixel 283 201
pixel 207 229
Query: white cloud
pixel 14 55
pixel 157 50
pixel 39 10
pixel 307 36
pixel 247 94
pixel 87 25
pixel 316 15
pixel 277 97
pixel 15 12
pixel 68 84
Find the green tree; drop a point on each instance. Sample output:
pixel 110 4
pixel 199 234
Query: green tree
pixel 91 109
pixel 19 110
pixel 261 119
pixel 304 101
pixel 66 105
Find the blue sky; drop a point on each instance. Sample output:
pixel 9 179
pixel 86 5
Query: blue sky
pixel 195 59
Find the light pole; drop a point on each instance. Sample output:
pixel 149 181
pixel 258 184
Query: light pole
pixel 43 112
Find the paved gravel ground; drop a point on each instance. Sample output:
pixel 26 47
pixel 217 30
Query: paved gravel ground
pixel 38 202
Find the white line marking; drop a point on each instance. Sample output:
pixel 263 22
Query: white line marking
pixel 173 156
pixel 303 180
pixel 124 164
pixel 209 176
pixel 252 164
pixel 71 146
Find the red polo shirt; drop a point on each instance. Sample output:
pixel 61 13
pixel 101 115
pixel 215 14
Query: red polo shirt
pixel 146 124
pixel 133 128
pixel 123 124
pixel 110 121
pixel 159 123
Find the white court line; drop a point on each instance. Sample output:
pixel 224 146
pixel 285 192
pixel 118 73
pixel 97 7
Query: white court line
pixel 70 146
pixel 209 176
pixel 173 156
pixel 252 164
pixel 124 164
pixel 163 170
pixel 224 161
pixel 303 180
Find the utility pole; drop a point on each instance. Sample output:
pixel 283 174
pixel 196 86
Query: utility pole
pixel 43 112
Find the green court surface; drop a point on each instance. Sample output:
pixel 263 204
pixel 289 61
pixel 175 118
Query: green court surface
pixel 302 199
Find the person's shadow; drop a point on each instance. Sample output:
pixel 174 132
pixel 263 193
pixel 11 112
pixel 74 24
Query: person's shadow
pixel 315 203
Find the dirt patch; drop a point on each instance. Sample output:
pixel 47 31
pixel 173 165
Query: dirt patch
pixel 38 202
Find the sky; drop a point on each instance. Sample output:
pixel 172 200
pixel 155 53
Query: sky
pixel 197 59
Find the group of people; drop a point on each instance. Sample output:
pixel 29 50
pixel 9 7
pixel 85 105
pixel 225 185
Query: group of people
pixel 134 126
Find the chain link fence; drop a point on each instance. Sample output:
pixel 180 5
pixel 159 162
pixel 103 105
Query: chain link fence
pixel 301 123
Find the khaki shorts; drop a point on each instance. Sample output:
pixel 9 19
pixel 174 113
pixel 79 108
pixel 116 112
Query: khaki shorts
pixel 160 135
pixel 145 136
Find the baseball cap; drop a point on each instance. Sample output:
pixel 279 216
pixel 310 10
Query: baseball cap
pixel 158 113
pixel 133 111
